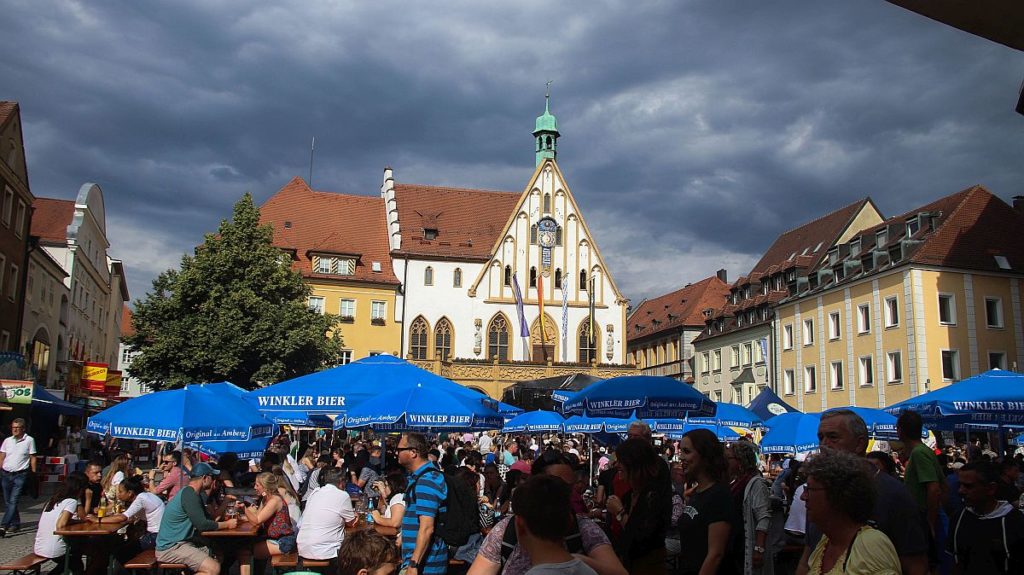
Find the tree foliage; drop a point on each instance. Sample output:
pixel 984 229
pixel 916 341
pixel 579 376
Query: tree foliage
pixel 235 311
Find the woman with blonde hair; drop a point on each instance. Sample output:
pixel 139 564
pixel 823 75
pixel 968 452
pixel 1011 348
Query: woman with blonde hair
pixel 272 514
pixel 120 468
pixel 291 497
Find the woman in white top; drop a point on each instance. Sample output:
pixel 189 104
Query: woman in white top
pixel 391 507
pixel 59 512
pixel 120 467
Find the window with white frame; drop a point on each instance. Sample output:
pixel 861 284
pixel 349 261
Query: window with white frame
pixel 748 353
pixel 913 226
pixel 316 303
pixel 863 318
pixel 994 312
pixel 996 360
pixel 834 329
pixel 835 374
pixel 947 309
pixel 705 362
pixel 787 336
pixel 758 353
pixel 894 366
pixel 345 357
pixel 866 374
pixel 347 308
pixel 787 382
pixel 716 360
pixel 12 283
pixel 8 207
pixel 378 309
pixel 734 356
pixel 19 220
pixel 810 379
pixel 808 332
pixel 892 312
pixel 950 365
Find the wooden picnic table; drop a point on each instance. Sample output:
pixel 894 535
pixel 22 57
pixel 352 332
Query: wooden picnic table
pixel 88 529
pixel 244 529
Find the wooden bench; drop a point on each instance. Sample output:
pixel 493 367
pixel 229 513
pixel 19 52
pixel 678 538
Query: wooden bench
pixel 293 561
pixel 30 563
pixel 145 560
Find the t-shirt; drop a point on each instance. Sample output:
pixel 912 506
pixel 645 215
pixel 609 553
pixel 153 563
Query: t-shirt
pixel 47 544
pixel 152 506
pixel 713 505
pixel 922 468
pixel 571 567
pixel 484 445
pixel 323 523
pixel 519 562
pixel 895 515
pixel 797 520
pixel 172 482
pixel 368 475
pixel 183 517
pixel 396 499
pixel 425 497
pixel 17 452
pixel 871 554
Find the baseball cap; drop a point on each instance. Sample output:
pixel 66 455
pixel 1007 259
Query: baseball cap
pixel 203 469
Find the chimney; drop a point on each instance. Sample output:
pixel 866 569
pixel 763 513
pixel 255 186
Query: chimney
pixel 724 275
pixel 1018 204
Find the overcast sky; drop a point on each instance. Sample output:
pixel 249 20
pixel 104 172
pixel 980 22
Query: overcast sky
pixel 693 132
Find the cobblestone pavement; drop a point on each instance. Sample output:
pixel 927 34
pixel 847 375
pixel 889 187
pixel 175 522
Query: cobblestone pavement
pixel 15 545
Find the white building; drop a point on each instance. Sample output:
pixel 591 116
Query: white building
pixel 459 254
pixel 46 316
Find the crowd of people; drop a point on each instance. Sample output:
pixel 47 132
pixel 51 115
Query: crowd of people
pixel 542 504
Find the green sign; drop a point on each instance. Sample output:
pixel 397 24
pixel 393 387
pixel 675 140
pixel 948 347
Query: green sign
pixel 16 391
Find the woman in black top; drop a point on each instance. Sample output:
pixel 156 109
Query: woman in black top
pixel 645 511
pixel 705 523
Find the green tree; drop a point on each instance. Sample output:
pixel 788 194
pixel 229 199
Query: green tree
pixel 235 311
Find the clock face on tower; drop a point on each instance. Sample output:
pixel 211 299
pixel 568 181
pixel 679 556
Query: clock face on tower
pixel 546 232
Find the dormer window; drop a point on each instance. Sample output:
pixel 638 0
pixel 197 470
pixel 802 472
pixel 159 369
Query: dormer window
pixel 896 253
pixel 430 234
pixel 913 226
pixel 881 238
pixel 855 247
pixel 833 256
pixel 338 266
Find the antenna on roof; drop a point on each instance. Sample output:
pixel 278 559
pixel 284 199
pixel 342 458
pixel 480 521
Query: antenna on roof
pixel 312 146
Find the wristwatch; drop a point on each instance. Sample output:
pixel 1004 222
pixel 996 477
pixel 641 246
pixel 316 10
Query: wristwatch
pixel 414 565
pixel 758 549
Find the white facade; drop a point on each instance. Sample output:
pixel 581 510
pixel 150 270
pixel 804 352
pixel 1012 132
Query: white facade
pixel 485 295
pixel 46 311
pixel 94 301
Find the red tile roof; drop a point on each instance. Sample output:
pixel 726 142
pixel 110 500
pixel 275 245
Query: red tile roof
pixel 7 110
pixel 127 327
pixel 310 222
pixel 824 230
pixel 51 218
pixel 683 307
pixel 468 222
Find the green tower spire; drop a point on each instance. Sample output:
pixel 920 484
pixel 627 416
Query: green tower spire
pixel 545 133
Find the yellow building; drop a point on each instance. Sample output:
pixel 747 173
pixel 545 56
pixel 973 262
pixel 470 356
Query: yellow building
pixel 339 244
pixel 906 306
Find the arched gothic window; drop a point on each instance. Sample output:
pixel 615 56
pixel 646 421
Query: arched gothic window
pixel 497 338
pixel 558 278
pixel 428 276
pixel 558 236
pixel 443 340
pixel 547 203
pixel 533 234
pixel 583 280
pixel 533 277
pixel 508 276
pixel 588 347
pixel 418 338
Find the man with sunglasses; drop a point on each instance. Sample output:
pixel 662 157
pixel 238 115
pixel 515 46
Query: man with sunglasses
pixel 422 551
pixel 174 478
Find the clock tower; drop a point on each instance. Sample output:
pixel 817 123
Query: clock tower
pixel 545 133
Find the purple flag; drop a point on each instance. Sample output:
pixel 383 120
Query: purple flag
pixel 524 331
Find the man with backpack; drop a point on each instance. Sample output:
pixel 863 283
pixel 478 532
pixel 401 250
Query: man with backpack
pixel 423 551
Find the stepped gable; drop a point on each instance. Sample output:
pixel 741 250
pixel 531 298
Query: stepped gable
pixel 467 222
pixel 51 218
pixel 683 307
pixel 307 222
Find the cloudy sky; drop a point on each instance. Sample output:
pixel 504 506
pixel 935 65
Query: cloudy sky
pixel 693 132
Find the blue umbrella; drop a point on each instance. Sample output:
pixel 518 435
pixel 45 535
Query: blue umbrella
pixel 252 449
pixel 647 396
pixel 791 433
pixel 423 408
pixel 211 412
pixel 768 404
pixel 879 423
pixel 562 395
pixel 333 391
pixel 731 415
pixel 589 425
pixel 723 433
pixel 508 411
pixel 993 398
pixel 534 421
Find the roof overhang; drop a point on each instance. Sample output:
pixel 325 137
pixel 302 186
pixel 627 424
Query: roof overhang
pixel 1000 21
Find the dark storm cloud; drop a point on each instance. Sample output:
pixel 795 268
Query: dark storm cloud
pixel 693 132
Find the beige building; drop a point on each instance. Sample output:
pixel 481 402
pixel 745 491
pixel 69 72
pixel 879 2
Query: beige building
pixel 905 306
pixel 735 352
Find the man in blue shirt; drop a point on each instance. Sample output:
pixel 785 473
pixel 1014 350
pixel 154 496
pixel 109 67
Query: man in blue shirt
pixel 423 551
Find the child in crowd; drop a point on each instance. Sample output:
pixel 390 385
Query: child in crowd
pixel 367 553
